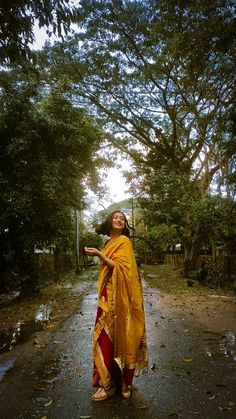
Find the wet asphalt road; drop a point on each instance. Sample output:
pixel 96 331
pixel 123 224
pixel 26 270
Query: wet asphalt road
pixel 185 378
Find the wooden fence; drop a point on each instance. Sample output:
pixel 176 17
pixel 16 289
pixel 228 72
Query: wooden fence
pixel 227 263
pixel 41 268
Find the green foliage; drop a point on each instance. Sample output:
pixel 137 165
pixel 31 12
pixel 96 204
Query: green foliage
pixel 91 239
pixel 186 217
pixel 17 20
pixel 161 73
pixel 215 273
pixel 162 236
pixel 47 150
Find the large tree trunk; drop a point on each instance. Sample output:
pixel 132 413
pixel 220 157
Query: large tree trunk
pixel 190 259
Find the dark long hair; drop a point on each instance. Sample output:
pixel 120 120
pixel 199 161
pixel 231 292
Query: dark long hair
pixel 105 227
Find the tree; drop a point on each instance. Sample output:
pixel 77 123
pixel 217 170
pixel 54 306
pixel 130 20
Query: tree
pixel 47 155
pixel 17 20
pixel 161 74
pixel 150 89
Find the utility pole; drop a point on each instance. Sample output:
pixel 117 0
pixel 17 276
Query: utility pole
pixel 132 215
pixel 77 215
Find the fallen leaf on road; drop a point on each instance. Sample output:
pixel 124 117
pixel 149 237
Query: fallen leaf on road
pixel 187 359
pixel 221 385
pixel 173 414
pixel 48 403
pixel 211 397
pixel 37 346
pixel 225 408
pixel 85 417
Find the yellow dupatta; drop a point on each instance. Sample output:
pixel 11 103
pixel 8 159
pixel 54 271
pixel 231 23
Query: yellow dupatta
pixel 130 348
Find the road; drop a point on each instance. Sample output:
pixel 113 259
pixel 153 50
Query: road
pixel 191 372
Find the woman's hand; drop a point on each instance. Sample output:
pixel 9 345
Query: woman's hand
pixel 92 251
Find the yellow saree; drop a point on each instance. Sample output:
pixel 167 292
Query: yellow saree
pixel 120 322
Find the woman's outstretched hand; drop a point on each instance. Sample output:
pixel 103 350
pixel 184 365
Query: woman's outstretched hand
pixel 92 251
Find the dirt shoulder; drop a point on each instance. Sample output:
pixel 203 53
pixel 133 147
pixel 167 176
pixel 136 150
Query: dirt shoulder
pixel 214 308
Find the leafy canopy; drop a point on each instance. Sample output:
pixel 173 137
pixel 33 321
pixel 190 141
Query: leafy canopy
pixel 18 19
pixel 47 154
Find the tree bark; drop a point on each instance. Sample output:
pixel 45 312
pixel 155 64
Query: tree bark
pixel 190 259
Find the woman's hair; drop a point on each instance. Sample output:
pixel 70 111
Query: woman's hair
pixel 105 227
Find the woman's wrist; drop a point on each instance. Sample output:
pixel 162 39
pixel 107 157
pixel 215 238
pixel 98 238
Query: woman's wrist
pixel 106 260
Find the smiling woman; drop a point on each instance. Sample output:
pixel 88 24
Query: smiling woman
pixel 119 338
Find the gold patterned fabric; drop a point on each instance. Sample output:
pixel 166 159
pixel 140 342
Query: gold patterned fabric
pixel 120 313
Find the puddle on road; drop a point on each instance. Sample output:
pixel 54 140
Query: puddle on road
pixel 19 334
pixel 6 366
pixel 221 344
pixel 24 329
pixel 43 313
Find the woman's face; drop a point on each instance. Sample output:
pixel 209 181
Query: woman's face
pixel 118 222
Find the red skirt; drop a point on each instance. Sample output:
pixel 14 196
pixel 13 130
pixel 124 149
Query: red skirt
pixel 106 371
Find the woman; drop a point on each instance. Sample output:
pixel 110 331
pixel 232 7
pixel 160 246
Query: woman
pixel 119 340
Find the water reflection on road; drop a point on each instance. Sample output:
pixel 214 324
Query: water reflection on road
pixel 221 344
